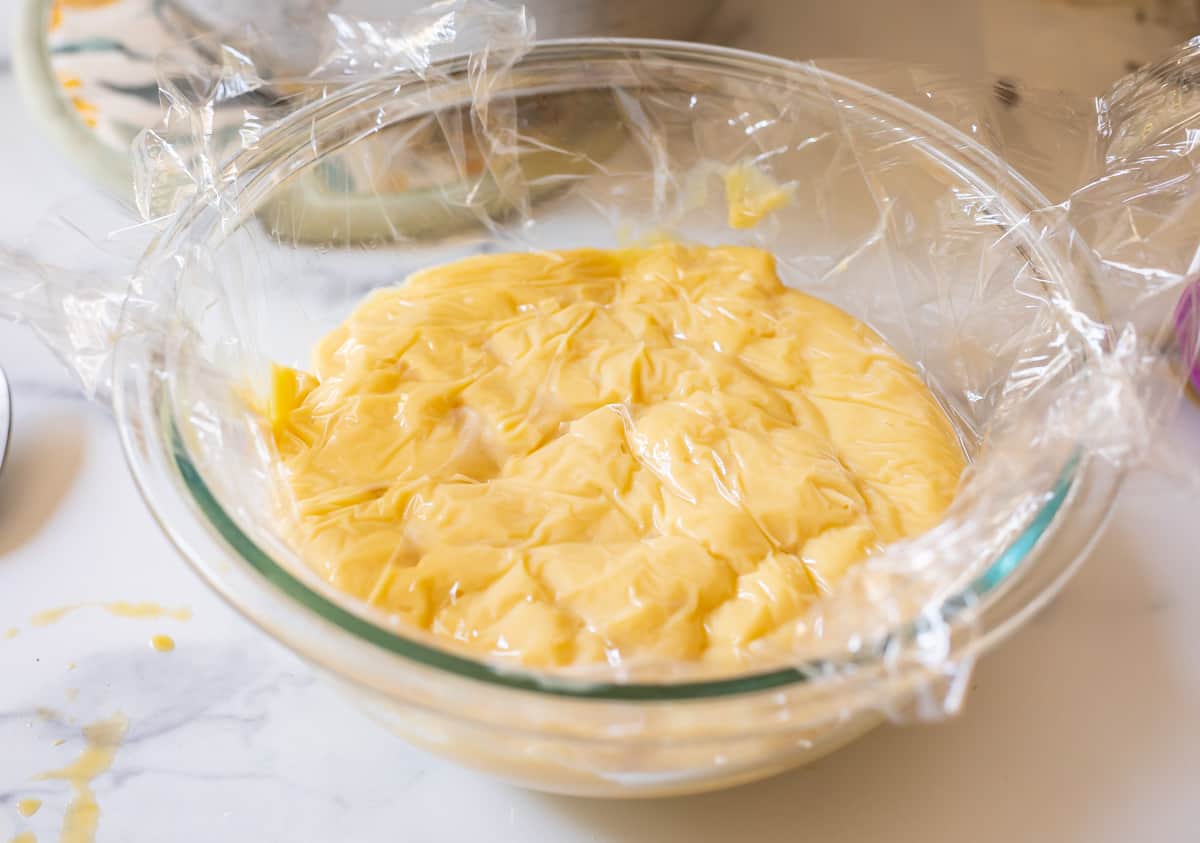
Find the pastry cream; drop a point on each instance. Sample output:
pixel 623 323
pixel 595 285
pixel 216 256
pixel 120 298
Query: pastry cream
pixel 567 457
pixel 751 194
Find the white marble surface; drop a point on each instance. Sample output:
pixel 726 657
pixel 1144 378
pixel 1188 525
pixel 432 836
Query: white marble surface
pixel 1083 727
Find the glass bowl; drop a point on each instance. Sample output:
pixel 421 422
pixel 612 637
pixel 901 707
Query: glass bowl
pixel 896 217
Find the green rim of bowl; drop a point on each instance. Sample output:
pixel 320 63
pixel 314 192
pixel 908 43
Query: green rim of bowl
pixel 277 575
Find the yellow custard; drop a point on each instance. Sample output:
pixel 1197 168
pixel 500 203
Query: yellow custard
pixel 751 194
pixel 568 457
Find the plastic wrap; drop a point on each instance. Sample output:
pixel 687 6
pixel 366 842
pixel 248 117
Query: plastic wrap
pixel 1026 251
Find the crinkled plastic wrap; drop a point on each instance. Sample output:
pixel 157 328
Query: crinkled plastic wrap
pixel 1026 251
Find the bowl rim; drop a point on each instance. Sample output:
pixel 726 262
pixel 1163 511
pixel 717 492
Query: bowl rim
pixel 214 519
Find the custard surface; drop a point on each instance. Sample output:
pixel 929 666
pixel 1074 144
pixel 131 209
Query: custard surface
pixel 589 455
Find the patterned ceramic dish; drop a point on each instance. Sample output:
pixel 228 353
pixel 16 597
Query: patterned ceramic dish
pixel 88 68
pixel 91 92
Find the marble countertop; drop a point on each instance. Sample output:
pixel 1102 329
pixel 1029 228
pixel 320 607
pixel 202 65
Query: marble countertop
pixel 1082 727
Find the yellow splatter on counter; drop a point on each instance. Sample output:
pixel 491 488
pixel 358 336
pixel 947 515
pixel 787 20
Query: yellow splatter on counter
pixel 82 816
pixel 118 608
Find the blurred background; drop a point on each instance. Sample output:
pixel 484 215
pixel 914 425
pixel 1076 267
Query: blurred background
pixel 87 67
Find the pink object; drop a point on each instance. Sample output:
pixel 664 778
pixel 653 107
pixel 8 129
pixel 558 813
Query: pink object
pixel 1187 329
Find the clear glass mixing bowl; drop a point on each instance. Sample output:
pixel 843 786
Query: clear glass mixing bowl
pixel 895 217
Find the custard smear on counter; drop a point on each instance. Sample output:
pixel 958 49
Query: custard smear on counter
pixel 572 457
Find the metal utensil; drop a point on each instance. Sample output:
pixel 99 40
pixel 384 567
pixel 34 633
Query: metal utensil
pixel 5 416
